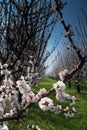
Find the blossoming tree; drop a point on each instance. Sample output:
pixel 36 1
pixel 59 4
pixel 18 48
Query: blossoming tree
pixel 11 108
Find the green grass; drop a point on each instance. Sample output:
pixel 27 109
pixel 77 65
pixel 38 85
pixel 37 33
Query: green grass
pixel 48 120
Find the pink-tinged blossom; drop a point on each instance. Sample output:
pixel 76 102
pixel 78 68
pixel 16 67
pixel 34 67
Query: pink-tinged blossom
pixel 8 82
pixel 59 86
pixel 23 86
pixel 41 92
pixel 62 96
pixel 66 96
pixel 63 74
pixel 5 66
pixel 8 114
pixel 29 97
pixel 46 103
pixel 57 109
pixel 69 114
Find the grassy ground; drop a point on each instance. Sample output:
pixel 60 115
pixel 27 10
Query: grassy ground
pixel 50 121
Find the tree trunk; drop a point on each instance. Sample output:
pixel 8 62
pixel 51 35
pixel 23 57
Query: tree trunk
pixel 78 88
pixel 69 83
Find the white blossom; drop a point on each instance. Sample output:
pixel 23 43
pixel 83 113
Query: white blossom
pixel 41 92
pixel 3 127
pixel 71 114
pixel 73 99
pixel 66 114
pixel 46 103
pixel 73 110
pixel 72 103
pixel 63 74
pixel 60 97
pixel 8 82
pixel 57 109
pixel 59 86
pixel 22 85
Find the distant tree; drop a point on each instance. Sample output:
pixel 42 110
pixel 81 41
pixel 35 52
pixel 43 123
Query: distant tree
pixel 68 58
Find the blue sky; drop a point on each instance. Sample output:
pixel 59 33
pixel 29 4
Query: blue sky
pixel 71 11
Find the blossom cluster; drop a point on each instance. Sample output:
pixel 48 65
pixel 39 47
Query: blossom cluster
pixel 4 70
pixel 9 94
pixel 69 113
pixel 9 97
pixel 25 89
pixel 47 104
pixel 60 93
pixel 31 77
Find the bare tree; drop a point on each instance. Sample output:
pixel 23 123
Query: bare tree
pixel 77 50
pixel 25 28
pixel 69 57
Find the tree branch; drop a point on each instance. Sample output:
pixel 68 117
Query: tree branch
pixel 59 6
pixel 19 114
